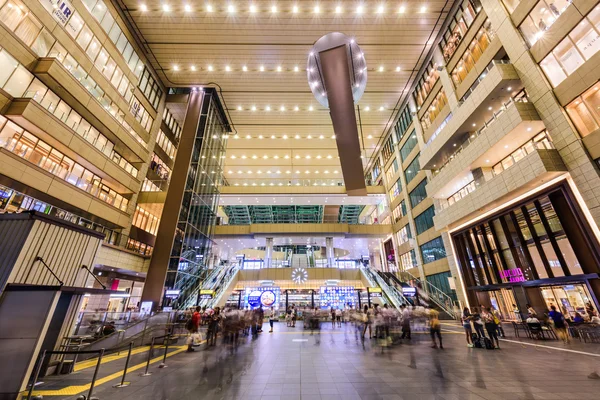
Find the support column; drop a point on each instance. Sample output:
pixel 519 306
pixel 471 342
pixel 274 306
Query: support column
pixel 329 252
pixel 268 252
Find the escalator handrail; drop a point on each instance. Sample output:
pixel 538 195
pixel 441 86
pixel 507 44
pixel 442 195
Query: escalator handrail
pixel 392 293
pixel 428 286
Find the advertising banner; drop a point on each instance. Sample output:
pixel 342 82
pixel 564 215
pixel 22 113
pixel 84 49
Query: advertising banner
pixel 266 296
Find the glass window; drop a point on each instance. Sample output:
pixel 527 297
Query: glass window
pixel 433 250
pixel 36 90
pixel 43 43
pixel 28 29
pixel 74 25
pixel 586 39
pixel 408 146
pixel 424 221
pixel 7 66
pixel 541 18
pixel 418 194
pixel 93 48
pixel 412 170
pixel 18 82
pixel 585 121
pixel 85 37
pixel 11 14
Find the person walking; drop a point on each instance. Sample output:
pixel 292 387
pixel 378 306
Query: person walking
pixel 294 316
pixel 477 323
pixel 435 328
pixel 490 326
pixel 466 322
pixel 192 326
pixel 332 312
pixel 338 317
pixel 368 321
pixel 405 322
pixel 272 317
pixel 498 320
pixel 560 325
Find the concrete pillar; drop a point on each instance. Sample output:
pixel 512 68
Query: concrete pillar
pixel 329 252
pixel 268 252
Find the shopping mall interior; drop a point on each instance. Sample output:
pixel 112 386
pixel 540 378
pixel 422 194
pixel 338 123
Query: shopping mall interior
pixel 427 158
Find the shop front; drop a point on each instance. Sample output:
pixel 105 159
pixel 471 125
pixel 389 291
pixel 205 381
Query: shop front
pixel 540 251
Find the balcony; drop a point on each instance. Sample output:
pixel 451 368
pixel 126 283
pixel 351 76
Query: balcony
pixel 30 115
pixel 339 229
pixel 535 169
pixel 493 91
pixel 60 80
pixel 511 126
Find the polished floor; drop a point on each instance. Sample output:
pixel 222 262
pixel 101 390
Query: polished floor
pixel 292 363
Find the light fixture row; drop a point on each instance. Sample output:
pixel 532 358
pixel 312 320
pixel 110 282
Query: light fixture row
pixel 281 184
pixel 278 172
pixel 286 157
pixel 259 68
pixel 283 108
pixel 284 137
pixel 230 8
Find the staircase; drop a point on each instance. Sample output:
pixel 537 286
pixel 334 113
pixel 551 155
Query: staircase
pixel 299 261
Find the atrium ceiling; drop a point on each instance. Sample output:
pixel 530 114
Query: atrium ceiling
pixel 256 51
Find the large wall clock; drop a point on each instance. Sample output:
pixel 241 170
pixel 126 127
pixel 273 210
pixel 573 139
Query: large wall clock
pixel 299 275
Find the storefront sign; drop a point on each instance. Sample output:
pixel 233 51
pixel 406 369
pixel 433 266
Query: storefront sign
pixel 207 294
pixel 512 275
pixel 172 293
pixel 146 307
pixel 61 10
pixel 409 291
pixel 374 292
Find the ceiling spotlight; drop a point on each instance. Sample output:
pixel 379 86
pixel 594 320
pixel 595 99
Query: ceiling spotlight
pixel 370 137
pixel 279 68
pixel 381 108
pixel 367 108
pixel 193 67
pixel 397 69
pixel 252 8
pixel 268 108
pixel 231 8
pixel 296 69
pixel 166 8
pixel 402 9
pixel 274 9
pixel 359 9
pixel 227 68
pixel 296 108
pixel 338 9
pixel 187 8
pixel 176 67
pixel 210 68
pixel 381 69
pixel 282 108
pixel 423 9
pixel 317 9
pixel 253 108
pixel 310 108
pixel 239 108
pixel 244 68
pixel 143 7
pixel 261 68
pixel 295 9
pixel 297 137
pixel 380 10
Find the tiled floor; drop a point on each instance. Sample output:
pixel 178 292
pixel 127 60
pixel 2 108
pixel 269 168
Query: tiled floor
pixel 294 364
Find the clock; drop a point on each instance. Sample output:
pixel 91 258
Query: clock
pixel 299 275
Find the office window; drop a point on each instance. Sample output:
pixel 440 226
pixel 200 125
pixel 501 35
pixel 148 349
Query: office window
pixel 408 146
pixel 426 83
pixel 458 26
pixel 395 190
pixel 541 18
pixel 440 281
pixel 388 148
pixel 436 107
pixel 408 260
pixel 473 53
pixel 403 207
pixel 145 221
pixel 418 194
pixel 424 221
pixel 579 46
pixel 584 111
pixel 404 234
pixel 412 170
pixel 433 250
pixel 404 121
pixel 392 170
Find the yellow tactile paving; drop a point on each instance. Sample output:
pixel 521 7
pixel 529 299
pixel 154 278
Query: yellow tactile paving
pixel 80 366
pixel 73 390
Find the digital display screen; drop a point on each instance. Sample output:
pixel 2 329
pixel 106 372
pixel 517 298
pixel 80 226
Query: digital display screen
pixel 337 296
pixel 266 296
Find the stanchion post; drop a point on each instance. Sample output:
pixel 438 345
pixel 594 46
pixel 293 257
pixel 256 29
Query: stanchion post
pixel 95 376
pixel 162 364
pixel 123 384
pixel 146 373
pixel 37 373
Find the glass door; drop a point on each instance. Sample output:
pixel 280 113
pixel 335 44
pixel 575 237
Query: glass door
pixel 568 299
pixel 503 300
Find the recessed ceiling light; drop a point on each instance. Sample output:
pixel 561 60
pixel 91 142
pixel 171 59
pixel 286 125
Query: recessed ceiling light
pixel 380 9
pixel 210 68
pixel 359 9
pixel 231 8
pixel 176 67
pixel 244 68
pixel 187 8
pixel 143 7
pixel 509 88
pixel 423 9
pixel 317 9
pixel 370 137
pixel 227 68
pixel 268 108
pixel 310 108
pixel 398 69
pixel 282 108
pixel 402 9
pixel 274 9
pixel 295 9
pixel 381 108
pixel 193 67
pixel 166 8
pixel 367 108
pixel 239 108
pixel 261 68
pixel 338 9
pixel 279 68
pixel 252 8
pixel 296 108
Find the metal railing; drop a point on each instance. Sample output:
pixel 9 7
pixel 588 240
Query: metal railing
pixel 436 295
pixel 88 323
pixel 394 296
pixel 480 78
pixel 518 98
pixel 220 285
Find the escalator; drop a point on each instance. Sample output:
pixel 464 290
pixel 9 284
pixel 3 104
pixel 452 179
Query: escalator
pixel 392 295
pixel 219 283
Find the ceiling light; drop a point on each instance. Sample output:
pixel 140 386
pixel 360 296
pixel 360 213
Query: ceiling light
pixel 319 157
pixel 176 67
pixel 210 67
pixel 329 157
pixel 359 9
pixel 528 129
pixel 187 8
pixel 398 69
pixel 233 157
pixel 490 108
pixel 307 172
pixel 402 9
pixel 252 8
pixel 231 8
pixel 487 161
pixel 296 108
pixel 370 137
pixel 288 171
pixel 254 157
pixel 381 69
pixel 338 9
pixel 253 108
pixel 166 8
pixel 380 10
pixel 297 157
pixel 309 137
pixel 282 108
pixel 509 88
pixel 244 157
pixel 317 9
pixel 310 108
pixel 260 136
pixel 143 7
pixel 296 69
pixel 285 137
pixel 274 9
pixel 244 68
pixel 381 108
pixel 227 68
pixel 268 108
pixel 367 108
pixel 423 9
pixel 261 68
pixel 239 108
pixel 265 157
pixel 295 9
pixel 335 172
pixel 286 157
pixel 279 68
pixel 307 157
pixel 193 67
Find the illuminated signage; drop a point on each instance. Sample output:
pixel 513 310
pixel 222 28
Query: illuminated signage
pixel 172 293
pixel 337 296
pixel 409 291
pixel 374 292
pixel 266 296
pixel 513 275
pixel 207 293
pixel 61 10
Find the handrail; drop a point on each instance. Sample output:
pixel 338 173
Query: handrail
pixel 396 298
pixel 436 295
pixel 229 275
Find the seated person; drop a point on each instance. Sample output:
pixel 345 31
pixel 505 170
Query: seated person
pixel 531 319
pixel 578 319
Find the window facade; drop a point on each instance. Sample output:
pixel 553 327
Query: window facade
pixel 511 4
pixel 426 83
pixel 570 54
pixel 433 250
pixel 403 123
pixel 424 221
pixel 541 18
pixel 163 141
pixel 412 170
pixel 145 221
pixel 437 105
pixel 27 146
pixel 157 165
pixel 404 234
pixel 403 207
pixel 459 24
pixel 418 194
pixel 527 242
pixel 172 123
pixel 408 146
pixel 139 247
pixel 150 88
pixel 473 53
pixel 391 172
pixel 397 213
pixel 585 111
pixel 441 282
pixel 388 148
pixel 542 142
pixel 408 260
pixel 395 190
